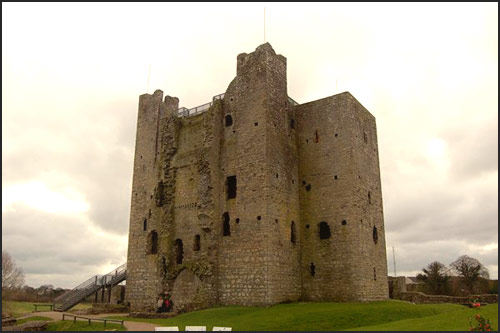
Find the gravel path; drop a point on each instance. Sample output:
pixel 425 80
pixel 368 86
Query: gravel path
pixel 129 325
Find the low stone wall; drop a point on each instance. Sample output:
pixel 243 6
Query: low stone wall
pixel 421 298
pixel 152 315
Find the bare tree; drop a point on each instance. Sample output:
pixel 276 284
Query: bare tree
pixel 436 278
pixel 470 269
pixel 12 276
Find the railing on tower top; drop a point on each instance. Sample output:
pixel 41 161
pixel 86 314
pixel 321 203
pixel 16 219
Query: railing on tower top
pixel 185 112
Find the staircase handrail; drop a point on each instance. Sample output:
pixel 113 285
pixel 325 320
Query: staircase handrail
pixel 98 280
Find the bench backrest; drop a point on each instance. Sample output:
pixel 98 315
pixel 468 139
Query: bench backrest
pixel 167 328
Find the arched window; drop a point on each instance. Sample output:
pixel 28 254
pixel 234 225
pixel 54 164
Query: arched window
pixel 375 234
pixel 179 251
pixel 324 230
pixel 152 242
pixel 196 246
pixel 293 233
pixel 228 120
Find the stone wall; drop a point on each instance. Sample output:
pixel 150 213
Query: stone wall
pixel 418 297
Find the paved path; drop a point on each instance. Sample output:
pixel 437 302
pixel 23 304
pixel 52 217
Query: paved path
pixel 129 325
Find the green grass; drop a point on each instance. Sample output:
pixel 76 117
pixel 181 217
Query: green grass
pixel 34 318
pixel 332 317
pixel 19 309
pixel 452 321
pixel 68 325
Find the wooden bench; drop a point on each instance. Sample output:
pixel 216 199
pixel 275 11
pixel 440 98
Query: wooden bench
pixel 49 305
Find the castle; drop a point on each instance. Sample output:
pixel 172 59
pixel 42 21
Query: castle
pixel 254 199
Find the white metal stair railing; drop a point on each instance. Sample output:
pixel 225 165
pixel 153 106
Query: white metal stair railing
pixel 90 286
pixel 185 112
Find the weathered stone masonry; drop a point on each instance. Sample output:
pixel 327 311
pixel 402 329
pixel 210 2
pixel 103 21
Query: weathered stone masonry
pixel 256 201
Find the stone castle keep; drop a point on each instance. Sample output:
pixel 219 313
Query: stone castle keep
pixel 254 199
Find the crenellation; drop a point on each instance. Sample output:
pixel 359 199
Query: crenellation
pixel 255 200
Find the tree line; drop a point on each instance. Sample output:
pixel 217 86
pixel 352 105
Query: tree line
pixel 14 289
pixel 437 276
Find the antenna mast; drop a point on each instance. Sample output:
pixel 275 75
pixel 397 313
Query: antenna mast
pixel 394 260
pixel 149 72
pixel 264 24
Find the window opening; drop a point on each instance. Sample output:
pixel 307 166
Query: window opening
pixel 365 137
pixel 196 246
pixel 179 251
pixel 344 222
pixel 316 136
pixel 324 230
pixel 231 187
pixel 375 234
pixel 153 242
pixel 313 269
pixel 292 123
pixel 228 120
pixel 374 274
pixel 226 228
pixel 308 187
pixel 293 237
pixel 369 198
pixel 145 225
pixel 259 218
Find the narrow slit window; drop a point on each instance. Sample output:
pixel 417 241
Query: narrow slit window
pixel 145 225
pixel 316 136
pixel 374 274
pixel 293 233
pixel 375 235
pixel 153 242
pixel 312 269
pixel 231 187
pixel 179 251
pixel 196 245
pixel 369 198
pixel 292 123
pixel 226 228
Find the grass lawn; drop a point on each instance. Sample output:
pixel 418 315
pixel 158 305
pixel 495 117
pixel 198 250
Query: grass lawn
pixel 68 325
pixel 19 309
pixel 34 318
pixel 388 315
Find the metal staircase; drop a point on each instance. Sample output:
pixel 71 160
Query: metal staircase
pixel 72 297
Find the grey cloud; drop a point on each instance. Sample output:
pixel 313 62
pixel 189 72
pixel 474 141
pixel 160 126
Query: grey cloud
pixel 47 244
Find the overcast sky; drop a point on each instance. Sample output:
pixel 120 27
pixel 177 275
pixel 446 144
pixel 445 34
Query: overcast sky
pixel 72 75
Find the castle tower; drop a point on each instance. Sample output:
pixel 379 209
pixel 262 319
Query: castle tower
pixel 259 149
pixel 255 200
pixel 343 248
